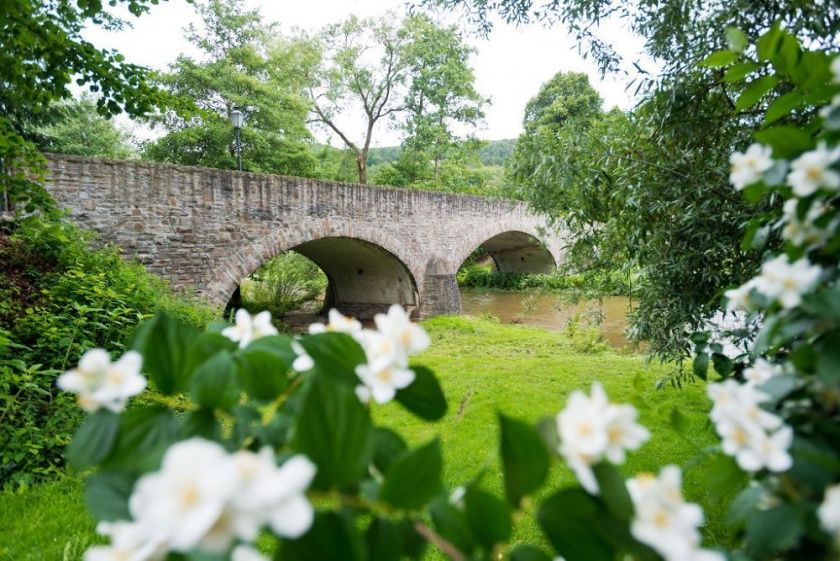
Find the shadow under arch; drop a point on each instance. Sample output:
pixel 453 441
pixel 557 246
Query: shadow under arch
pixel 365 275
pixel 513 251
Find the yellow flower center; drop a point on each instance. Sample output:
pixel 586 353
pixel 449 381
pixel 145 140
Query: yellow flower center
pixel 384 375
pixel 188 496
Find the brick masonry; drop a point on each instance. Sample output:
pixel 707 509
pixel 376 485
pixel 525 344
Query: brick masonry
pixel 206 229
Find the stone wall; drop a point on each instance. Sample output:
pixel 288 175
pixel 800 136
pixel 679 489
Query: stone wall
pixel 206 229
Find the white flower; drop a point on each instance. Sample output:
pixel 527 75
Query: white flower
pixel 591 428
pixel 129 542
pixel 785 281
pixel 761 371
pixel 397 326
pixel 337 322
pixel 812 170
pixel 383 380
pixel 101 383
pixel 801 232
pixel 303 361
pixel 739 298
pixel 829 510
pixel 248 329
pixel 185 499
pixel 291 513
pixel 246 553
pixel 747 167
pixel 663 520
pixel 756 438
pixel 835 68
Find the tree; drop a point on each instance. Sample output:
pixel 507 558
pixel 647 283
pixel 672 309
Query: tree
pixel 442 90
pixel 244 65
pixel 77 128
pixel 649 193
pixel 363 70
pixel 43 52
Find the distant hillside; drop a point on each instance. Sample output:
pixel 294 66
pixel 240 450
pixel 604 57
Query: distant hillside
pixel 494 153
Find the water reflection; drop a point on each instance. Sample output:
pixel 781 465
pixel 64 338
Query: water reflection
pixel 550 311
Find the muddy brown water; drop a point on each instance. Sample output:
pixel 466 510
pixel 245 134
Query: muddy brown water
pixel 550 311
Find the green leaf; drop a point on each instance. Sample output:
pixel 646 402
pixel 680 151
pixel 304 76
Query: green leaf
pixel 144 435
pixel 334 431
pixel 201 423
pixel 768 44
pixel 414 477
pixel 263 367
pixel 744 505
pixel 613 491
pixel 332 536
pixel 723 364
pixel 786 141
pixel 387 446
pixel 384 541
pixel 163 340
pixel 214 383
pixel 488 517
pixel 204 346
pixel 735 39
pixel 722 476
pixel 739 71
pixel 755 90
pixel 525 459
pixel 336 356
pixel 773 530
pixel 782 106
pixel 107 493
pixel 677 420
pixel 718 59
pixel 701 365
pixel 451 523
pixel 569 519
pixel 423 396
pixel 527 552
pixel 93 440
pixel 413 544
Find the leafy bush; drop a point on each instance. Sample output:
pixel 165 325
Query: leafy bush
pixel 477 276
pixel 285 283
pixel 58 297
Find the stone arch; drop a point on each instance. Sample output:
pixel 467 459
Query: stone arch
pixel 368 270
pixel 514 246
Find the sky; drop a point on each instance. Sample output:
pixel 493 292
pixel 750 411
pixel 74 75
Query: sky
pixel 510 64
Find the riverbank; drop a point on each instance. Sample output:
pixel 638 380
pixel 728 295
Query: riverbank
pixel 484 367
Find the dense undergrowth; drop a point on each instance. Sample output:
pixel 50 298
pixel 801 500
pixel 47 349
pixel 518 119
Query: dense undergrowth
pixel 474 275
pixel 59 296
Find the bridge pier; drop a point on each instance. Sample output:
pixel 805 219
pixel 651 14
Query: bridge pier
pixel 439 295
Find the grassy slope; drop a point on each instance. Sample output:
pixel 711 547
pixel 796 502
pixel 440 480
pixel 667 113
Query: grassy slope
pixel 485 368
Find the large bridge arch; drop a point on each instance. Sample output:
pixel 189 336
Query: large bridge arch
pixel 367 269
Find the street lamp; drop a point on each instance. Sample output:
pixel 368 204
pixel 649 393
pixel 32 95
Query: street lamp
pixel 237 118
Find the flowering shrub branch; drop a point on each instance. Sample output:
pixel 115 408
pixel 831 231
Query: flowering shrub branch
pixel 278 438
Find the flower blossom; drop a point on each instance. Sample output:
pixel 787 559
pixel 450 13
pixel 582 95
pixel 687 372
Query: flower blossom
pixel 829 510
pixel 739 298
pixel 747 167
pixel 248 329
pixel 756 438
pixel 761 371
pixel 102 383
pixel 591 429
pixel 804 231
pixel 303 361
pixel 246 553
pixel 129 542
pixel 785 281
pixel 206 499
pixel 835 69
pixel 664 521
pixel 812 170
pixel 338 322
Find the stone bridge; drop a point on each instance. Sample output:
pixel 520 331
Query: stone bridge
pixel 207 229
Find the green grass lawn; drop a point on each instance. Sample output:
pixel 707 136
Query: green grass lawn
pixel 484 368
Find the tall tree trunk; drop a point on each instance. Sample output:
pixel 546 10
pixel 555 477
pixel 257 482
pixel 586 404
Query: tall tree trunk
pixel 361 165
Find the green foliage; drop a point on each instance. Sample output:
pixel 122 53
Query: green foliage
pixel 58 298
pixel 77 128
pixel 287 282
pixel 477 276
pixel 246 64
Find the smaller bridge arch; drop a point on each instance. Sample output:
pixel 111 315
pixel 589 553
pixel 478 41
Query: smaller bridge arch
pixel 515 246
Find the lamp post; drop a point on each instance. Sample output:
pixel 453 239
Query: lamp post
pixel 237 118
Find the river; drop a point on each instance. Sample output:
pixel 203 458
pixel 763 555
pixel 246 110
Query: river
pixel 548 310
